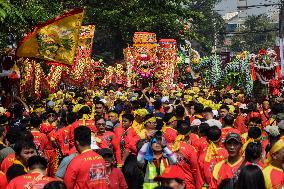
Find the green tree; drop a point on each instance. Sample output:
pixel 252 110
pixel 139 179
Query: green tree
pixel 117 20
pixel 257 32
pixel 207 28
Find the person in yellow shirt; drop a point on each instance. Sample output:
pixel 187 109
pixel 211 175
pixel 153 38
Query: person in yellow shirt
pixel 273 172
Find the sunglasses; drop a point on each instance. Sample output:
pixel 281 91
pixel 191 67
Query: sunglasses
pixel 51 115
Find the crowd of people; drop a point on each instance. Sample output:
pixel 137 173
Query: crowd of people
pixel 114 138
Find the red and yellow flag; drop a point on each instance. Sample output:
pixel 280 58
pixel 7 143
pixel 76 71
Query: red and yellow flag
pixel 56 40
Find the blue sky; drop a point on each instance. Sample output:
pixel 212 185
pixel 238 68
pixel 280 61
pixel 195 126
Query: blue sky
pixel 231 6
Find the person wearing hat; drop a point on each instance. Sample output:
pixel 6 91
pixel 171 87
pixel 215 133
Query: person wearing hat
pixel 273 172
pixel 173 176
pixel 229 167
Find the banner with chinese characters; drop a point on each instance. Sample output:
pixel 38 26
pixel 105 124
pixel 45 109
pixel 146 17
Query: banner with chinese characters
pixel 56 40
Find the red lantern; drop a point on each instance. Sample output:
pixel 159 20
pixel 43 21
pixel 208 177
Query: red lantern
pixel 187 69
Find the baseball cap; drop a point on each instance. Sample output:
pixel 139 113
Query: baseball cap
pixel 214 122
pixel 281 124
pixel 109 125
pixel 196 122
pixel 243 106
pixel 233 136
pixel 165 99
pixel 171 172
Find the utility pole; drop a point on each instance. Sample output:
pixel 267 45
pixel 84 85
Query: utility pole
pixel 281 20
pixel 281 35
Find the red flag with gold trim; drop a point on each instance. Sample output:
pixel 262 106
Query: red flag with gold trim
pixel 56 40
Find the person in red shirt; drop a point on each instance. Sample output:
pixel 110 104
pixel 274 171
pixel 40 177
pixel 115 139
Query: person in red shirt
pixel 87 170
pixel 84 119
pixel 202 143
pixel 228 122
pixel 40 139
pixel 3 180
pixel 50 124
pixel 24 149
pixel 211 155
pixel 36 177
pixel 107 139
pixel 126 144
pixel 116 179
pixel 228 168
pixel 169 131
pixel 63 135
pixel 265 114
pixel 240 122
pixel 187 156
pixel 7 162
pixel 190 110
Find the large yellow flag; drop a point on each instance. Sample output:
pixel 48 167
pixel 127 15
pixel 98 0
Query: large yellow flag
pixel 55 40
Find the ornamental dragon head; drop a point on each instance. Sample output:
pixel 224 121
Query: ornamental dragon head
pixel 265 65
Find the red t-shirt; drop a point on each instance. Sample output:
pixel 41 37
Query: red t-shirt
pixel 187 156
pixel 109 140
pixel 202 145
pixel 89 123
pixel 224 170
pixel 7 162
pixel 86 171
pixel 62 137
pixel 41 141
pixel 116 179
pixel 46 127
pixel 240 124
pixel 274 177
pixel 32 180
pixel 131 138
pixel 3 180
pixel 170 134
pixel 207 161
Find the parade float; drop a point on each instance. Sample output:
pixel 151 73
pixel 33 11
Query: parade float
pixel 141 59
pixel 60 51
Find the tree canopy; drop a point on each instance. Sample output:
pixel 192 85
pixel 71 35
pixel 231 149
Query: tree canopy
pixel 116 20
pixel 257 32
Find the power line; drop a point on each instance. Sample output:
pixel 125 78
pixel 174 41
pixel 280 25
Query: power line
pixel 264 5
pixel 246 32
